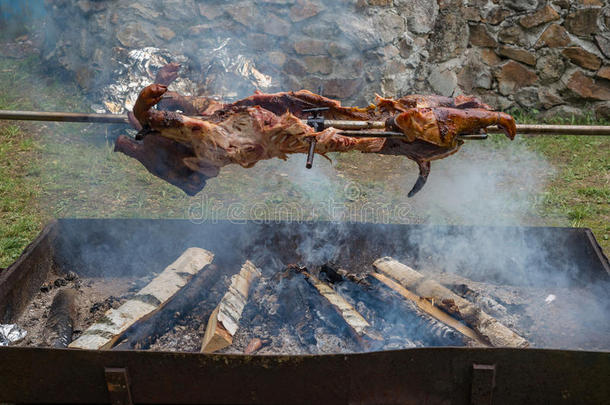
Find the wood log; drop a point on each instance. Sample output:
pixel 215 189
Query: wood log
pixel 430 309
pixel 60 323
pixel 153 297
pixel 224 320
pixel 487 327
pixel 359 326
pixel 149 328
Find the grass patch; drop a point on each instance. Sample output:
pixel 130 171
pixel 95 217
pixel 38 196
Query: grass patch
pixel 20 219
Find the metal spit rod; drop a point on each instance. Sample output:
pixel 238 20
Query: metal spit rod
pixel 347 126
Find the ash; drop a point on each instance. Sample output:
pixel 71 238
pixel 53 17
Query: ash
pixel 287 314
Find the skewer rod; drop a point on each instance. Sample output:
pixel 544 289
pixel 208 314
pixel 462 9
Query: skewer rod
pixel 63 117
pixel 533 129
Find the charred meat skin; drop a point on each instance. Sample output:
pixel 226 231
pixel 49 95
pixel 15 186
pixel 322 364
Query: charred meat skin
pixel 162 157
pixel 266 126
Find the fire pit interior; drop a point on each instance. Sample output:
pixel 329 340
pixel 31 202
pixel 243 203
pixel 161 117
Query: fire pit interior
pixel 311 287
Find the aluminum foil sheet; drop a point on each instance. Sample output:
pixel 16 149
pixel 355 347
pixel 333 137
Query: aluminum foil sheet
pixel 230 73
pixel 222 72
pixel 10 333
pixel 137 70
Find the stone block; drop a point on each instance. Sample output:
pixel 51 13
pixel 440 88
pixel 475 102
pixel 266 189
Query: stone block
pixel 587 88
pixel 582 58
pixel 513 75
pixel 542 16
pixel 554 36
pixel 479 36
pixel 582 21
pixel 518 54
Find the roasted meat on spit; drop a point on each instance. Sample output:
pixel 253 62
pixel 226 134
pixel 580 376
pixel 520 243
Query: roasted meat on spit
pixel 186 150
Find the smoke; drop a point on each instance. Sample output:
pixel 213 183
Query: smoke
pixel 496 184
pixel 349 54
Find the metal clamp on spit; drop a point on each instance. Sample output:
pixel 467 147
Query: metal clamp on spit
pixel 317 122
pixel 366 129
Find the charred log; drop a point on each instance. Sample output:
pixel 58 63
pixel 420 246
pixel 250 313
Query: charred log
pixel 62 319
pixel 394 313
pixel 428 307
pixel 146 330
pixel 358 327
pixel 153 297
pixel 486 326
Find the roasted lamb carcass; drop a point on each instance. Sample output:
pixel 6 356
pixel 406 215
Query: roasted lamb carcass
pixel 265 126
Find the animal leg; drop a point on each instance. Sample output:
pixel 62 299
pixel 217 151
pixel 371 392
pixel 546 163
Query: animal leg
pixel 424 171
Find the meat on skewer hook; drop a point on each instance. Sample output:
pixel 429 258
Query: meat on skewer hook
pixel 316 121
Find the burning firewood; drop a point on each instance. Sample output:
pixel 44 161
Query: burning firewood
pixel 429 308
pixel 224 321
pixel 358 326
pixel 485 325
pixel 62 319
pixel 442 326
pixel 148 329
pixel 105 332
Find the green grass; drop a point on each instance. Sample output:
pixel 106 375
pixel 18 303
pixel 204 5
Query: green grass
pixel 70 170
pixel 20 219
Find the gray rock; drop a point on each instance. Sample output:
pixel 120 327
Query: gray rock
pixel 339 49
pixel 244 13
pixel 179 10
pixel 323 26
pixel 602 111
pixel 144 11
pixel 405 45
pixel 276 57
pixel 522 5
pixel 389 25
pixel 513 34
pixel 342 88
pixel 397 85
pixel 310 46
pixel 294 67
pixel 550 66
pixel 562 111
pixel 135 35
pixel 549 97
pixel 450 37
pixel 582 21
pixel 318 64
pixel 442 81
pixel 527 97
pixel 495 100
pixel 474 75
pixel 275 25
pixel 359 31
pixel 603 42
pixel 420 14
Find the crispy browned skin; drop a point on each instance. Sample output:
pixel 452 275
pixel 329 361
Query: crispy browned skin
pixel 429 101
pixel 265 126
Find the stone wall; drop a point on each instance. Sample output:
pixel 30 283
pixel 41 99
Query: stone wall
pixel 533 54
